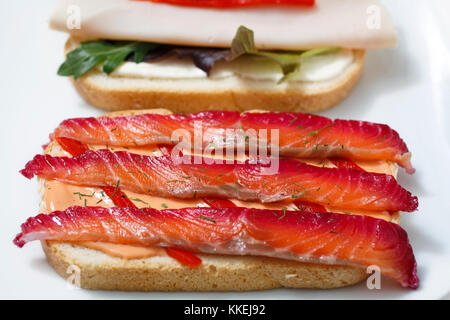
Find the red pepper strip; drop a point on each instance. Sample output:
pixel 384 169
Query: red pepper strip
pixel 74 147
pixel 233 3
pixel 184 257
pixel 120 199
pixel 345 163
pixel 304 206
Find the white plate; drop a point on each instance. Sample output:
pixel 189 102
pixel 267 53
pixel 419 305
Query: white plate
pixel 407 88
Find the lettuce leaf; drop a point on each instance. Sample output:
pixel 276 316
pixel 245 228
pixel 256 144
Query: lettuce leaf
pixel 110 54
pixel 289 61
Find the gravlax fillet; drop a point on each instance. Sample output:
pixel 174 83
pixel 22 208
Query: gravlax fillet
pixel 162 176
pixel 299 135
pixel 307 237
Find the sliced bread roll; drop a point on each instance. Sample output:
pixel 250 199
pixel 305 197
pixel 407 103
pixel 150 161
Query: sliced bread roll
pixel 236 93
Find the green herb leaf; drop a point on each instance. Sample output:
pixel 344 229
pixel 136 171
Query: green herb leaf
pixel 244 43
pixel 110 54
pixel 289 61
pixel 206 218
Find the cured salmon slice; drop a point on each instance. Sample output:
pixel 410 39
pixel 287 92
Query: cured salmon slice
pixel 329 238
pixel 299 135
pixel 161 176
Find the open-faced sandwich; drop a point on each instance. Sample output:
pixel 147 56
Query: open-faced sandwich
pixel 190 56
pixel 132 212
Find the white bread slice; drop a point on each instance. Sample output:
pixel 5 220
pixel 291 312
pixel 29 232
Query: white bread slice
pixel 233 93
pixel 217 272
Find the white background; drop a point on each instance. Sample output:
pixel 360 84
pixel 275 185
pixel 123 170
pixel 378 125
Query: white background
pixel 407 88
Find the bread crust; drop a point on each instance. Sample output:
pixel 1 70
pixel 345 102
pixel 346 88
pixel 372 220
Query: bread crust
pixel 234 94
pixel 216 273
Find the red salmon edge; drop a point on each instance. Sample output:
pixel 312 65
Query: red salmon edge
pixel 386 235
pixel 382 133
pixel 290 167
pixel 387 241
pixel 68 128
pixel 31 167
pixel 385 185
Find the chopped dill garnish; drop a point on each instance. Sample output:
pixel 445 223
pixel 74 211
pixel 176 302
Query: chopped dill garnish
pixel 139 200
pixel 206 218
pixel 115 189
pixel 164 205
pixel 316 132
pixel 138 172
pixel 84 195
pixel 284 214
pixel 99 201
pixel 293 120
pixel 303 188
pixel 332 231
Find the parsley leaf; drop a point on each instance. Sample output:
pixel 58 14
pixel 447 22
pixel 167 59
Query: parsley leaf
pixel 109 54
